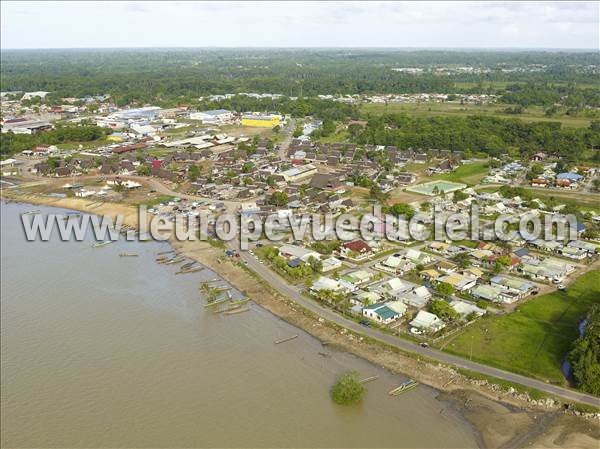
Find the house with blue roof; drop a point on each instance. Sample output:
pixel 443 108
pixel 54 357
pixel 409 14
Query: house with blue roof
pixel 381 313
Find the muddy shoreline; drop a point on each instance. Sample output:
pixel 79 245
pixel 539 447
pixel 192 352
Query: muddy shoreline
pixel 500 419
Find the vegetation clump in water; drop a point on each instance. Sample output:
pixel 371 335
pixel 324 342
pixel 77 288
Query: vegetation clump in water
pixel 348 390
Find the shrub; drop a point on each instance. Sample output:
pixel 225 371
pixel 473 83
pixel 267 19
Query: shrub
pixel 348 390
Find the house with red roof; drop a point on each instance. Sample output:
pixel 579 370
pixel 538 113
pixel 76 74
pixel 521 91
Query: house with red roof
pixel 356 249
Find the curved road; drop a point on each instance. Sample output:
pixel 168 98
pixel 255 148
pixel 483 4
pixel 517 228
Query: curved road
pixel 294 293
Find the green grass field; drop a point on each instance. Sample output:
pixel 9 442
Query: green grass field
pixel 531 114
pixel 534 339
pixel 336 137
pixel 468 173
pixel 582 201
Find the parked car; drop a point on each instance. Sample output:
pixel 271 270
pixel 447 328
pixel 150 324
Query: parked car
pixel 364 323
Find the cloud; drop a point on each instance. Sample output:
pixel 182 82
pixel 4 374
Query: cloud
pixel 326 23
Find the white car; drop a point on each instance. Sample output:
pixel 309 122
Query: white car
pixel 414 330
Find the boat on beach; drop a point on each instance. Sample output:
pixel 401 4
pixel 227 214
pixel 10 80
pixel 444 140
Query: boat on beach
pixel 101 244
pixel 175 260
pixel 216 302
pixel 162 253
pixel 236 311
pixel 190 270
pixel 185 266
pixel 32 212
pixel 404 386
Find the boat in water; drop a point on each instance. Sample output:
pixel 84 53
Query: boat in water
pixel 32 212
pixel 101 244
pixel 404 386
pixel 128 255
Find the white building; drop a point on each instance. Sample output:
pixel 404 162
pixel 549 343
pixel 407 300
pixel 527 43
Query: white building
pixel 215 117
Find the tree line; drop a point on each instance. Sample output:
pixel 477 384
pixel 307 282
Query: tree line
pixel 491 136
pixel 11 143
pixel 172 76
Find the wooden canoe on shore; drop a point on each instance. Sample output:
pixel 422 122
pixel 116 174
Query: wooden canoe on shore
pixel 190 270
pixel 283 340
pixel 240 310
pixel 404 386
pixel 229 309
pixel 216 302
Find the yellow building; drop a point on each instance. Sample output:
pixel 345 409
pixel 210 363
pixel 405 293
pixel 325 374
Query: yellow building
pixel 116 137
pixel 266 121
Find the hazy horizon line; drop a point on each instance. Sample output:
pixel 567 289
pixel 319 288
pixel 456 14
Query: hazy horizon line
pixel 294 47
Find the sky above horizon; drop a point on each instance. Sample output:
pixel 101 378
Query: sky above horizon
pixel 85 24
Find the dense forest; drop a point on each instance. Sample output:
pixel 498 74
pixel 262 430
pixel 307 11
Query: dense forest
pixel 477 134
pixel 585 355
pixel 171 76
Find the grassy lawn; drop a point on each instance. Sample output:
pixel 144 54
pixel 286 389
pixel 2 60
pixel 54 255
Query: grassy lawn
pixel 468 173
pixel 151 202
pixel 531 114
pixel 87 145
pixel 584 202
pixel 534 339
pixel 336 137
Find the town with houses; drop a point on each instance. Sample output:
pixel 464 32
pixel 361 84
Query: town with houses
pixel 181 162
pixel 300 224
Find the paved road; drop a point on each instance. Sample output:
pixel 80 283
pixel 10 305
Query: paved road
pixel 294 294
pixel 287 140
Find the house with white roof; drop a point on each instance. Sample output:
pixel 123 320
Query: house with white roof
pixel 393 287
pixel 427 322
pixel 395 265
pixel 416 297
pixel 298 252
pixel 325 283
pixel 331 264
pixel 363 297
pixel 464 308
pixel 418 257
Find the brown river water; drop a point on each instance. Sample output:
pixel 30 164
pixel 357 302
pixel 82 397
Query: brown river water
pixel 106 351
